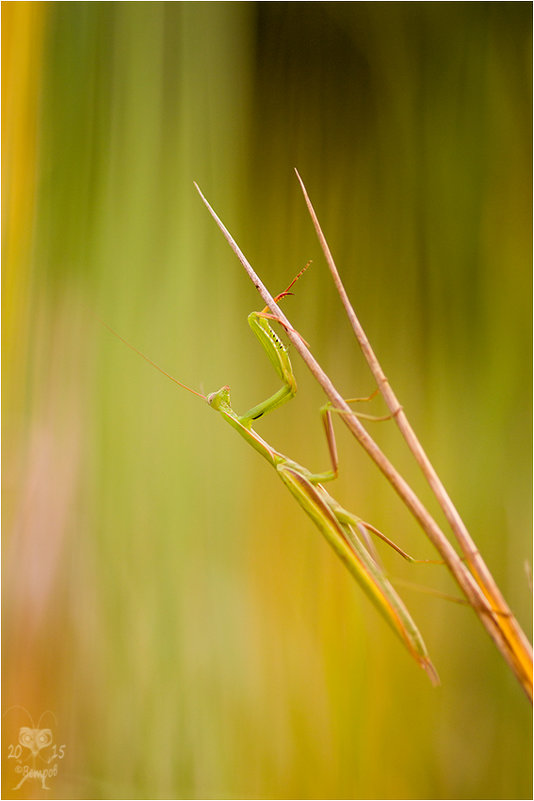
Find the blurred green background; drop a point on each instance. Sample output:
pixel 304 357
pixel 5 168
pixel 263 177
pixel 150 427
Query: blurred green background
pixel 165 599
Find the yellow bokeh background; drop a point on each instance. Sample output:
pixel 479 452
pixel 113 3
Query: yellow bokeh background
pixel 169 611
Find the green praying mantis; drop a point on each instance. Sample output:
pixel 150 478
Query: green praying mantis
pixel 338 525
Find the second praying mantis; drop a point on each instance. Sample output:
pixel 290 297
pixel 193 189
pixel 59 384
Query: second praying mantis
pixel 337 524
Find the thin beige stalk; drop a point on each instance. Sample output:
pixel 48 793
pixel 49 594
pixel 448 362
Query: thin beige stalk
pixel 512 632
pixel 491 616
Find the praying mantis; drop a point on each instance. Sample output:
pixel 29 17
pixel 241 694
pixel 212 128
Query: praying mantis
pixel 337 525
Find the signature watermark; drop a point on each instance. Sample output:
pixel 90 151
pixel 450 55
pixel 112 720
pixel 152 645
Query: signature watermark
pixel 35 755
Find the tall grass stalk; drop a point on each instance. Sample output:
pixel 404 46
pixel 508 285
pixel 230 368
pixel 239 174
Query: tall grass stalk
pixel 471 573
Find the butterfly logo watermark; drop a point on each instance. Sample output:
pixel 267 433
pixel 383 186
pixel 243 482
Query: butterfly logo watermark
pixel 35 753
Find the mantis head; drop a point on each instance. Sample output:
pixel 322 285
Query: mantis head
pixel 220 399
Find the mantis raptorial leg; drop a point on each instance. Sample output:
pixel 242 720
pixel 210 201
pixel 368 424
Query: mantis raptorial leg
pixel 335 523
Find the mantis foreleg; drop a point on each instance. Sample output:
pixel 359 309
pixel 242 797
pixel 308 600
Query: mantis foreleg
pixel 278 356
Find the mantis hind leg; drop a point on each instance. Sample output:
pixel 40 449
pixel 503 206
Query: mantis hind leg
pixel 326 416
pixel 350 519
pixel 328 408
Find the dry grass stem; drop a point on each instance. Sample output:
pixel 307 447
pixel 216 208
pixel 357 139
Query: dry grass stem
pixel 517 642
pixel 476 583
